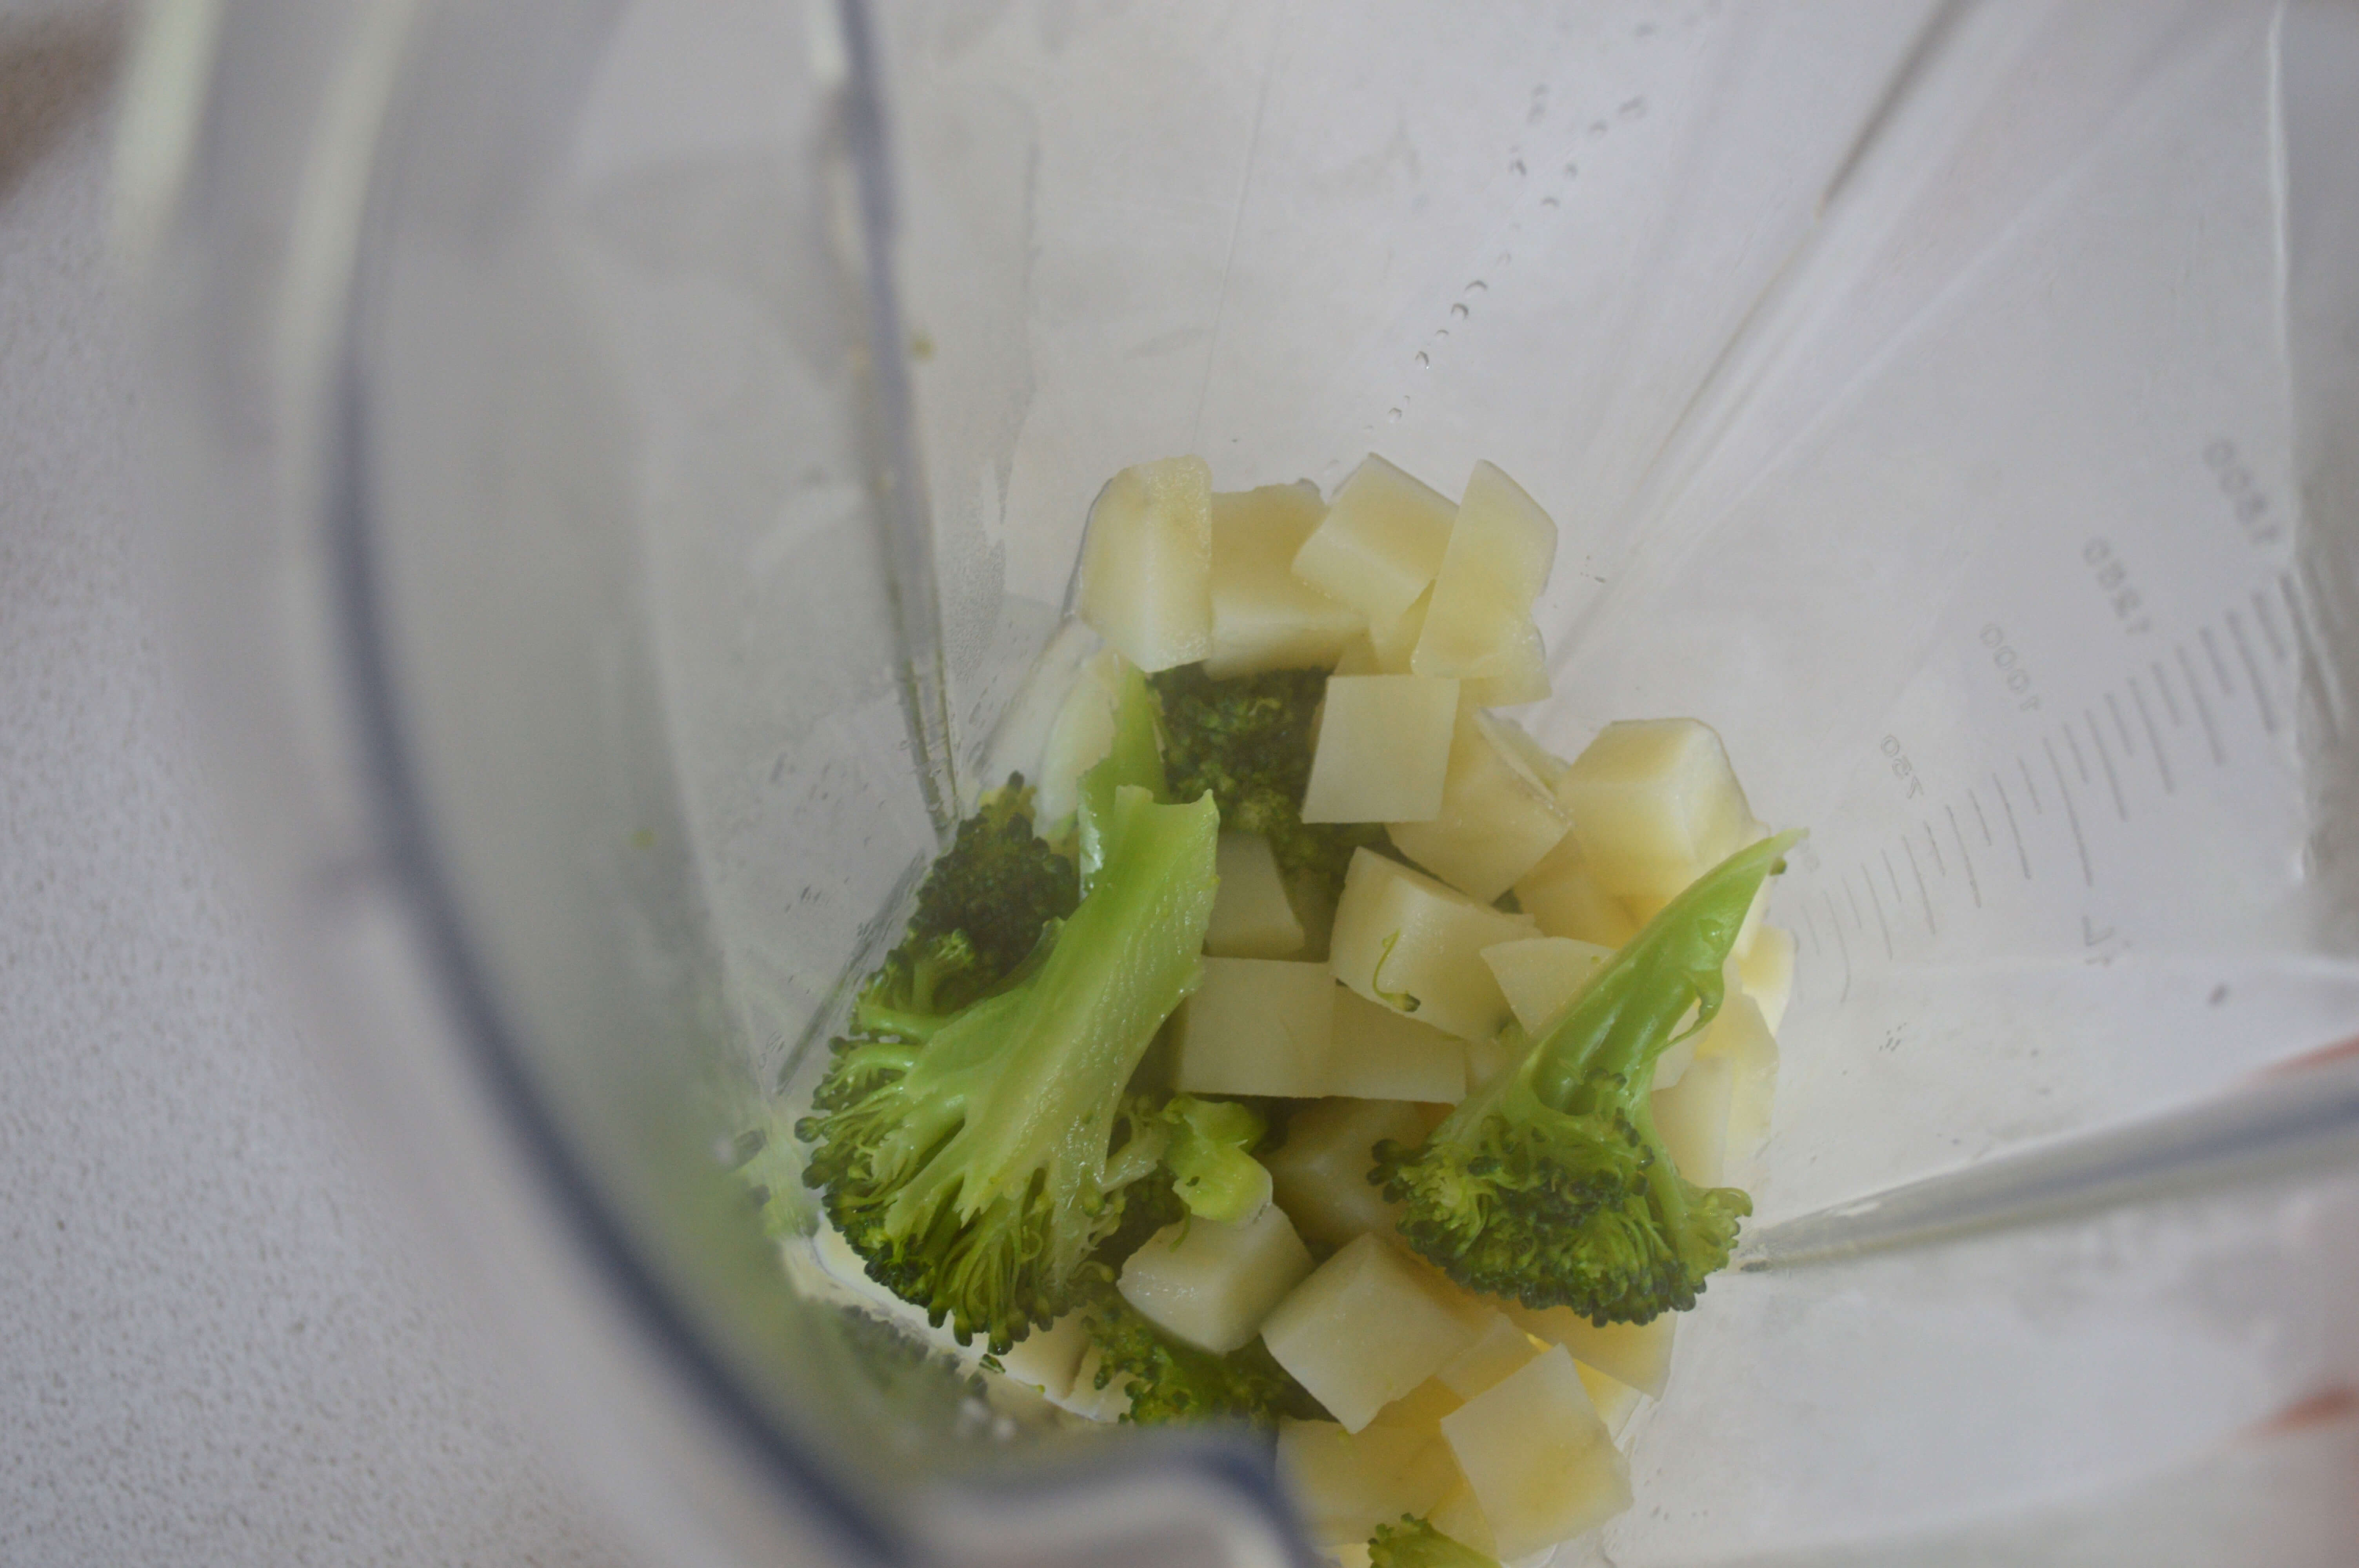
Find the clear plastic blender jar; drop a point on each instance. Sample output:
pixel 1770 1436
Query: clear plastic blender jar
pixel 624 466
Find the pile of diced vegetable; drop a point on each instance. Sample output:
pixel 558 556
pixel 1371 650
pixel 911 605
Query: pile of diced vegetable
pixel 1306 1045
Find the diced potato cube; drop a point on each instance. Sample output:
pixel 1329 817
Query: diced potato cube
pixel 1264 617
pixel 1691 1116
pixel 1359 658
pixel 1486 1060
pixel 1561 893
pixel 1047 1357
pixel 1422 1407
pixel 1639 1354
pixel 1501 1349
pixel 1320 1174
pixel 1383 753
pixel 1404 939
pixel 1537 1457
pixel 1380 544
pixel 1459 1516
pixel 1078 738
pixel 1368 1326
pixel 1347 1483
pixel 1541 974
pixel 1255 1026
pixel 1393 641
pixel 1741 1037
pixel 1767 974
pixel 1212 1283
pixel 1523 677
pixel 1617 1401
pixel 1251 915
pixel 1379 1054
pixel 1502 547
pixel 1147 563
pixel 1654 804
pixel 1497 822
pixel 1086 1399
pixel 1544 765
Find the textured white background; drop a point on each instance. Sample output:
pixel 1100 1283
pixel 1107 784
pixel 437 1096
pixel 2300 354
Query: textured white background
pixel 215 1348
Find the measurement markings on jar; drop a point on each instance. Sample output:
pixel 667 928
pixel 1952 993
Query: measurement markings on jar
pixel 2072 813
pixel 1843 946
pixel 1981 820
pixel 2219 664
pixel 2023 856
pixel 1898 898
pixel 2253 672
pixel 2121 724
pixel 2202 709
pixel 2080 763
pixel 2317 675
pixel 1923 897
pixel 2153 735
pixel 2105 757
pixel 1878 904
pixel 1940 865
pixel 1973 884
pixel 2265 616
pixel 2031 788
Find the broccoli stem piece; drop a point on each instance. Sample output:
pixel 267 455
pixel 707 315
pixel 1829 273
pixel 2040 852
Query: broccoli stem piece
pixel 976 1169
pixel 1551 1185
pixel 1210 1158
pixel 1168 1381
pixel 1135 761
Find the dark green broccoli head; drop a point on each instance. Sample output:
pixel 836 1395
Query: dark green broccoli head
pixel 1549 1185
pixel 1414 1543
pixel 1248 739
pixel 982 910
pixel 1168 1381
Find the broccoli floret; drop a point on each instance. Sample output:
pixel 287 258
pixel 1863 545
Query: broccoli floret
pixel 976 1169
pixel 1249 739
pixel 1549 1184
pixel 1414 1543
pixel 981 912
pixel 1168 1381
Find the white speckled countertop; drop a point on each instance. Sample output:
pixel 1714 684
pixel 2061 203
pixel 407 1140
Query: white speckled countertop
pixel 215 1348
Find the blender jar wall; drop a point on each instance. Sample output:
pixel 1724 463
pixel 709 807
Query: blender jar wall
pixel 1829 336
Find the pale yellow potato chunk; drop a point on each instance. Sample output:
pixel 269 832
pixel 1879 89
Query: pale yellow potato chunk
pixel 1497 820
pixel 1459 1515
pixel 1523 675
pixel 1047 1357
pixel 1264 617
pixel 1539 1459
pixel 1692 1118
pixel 1617 1401
pixel 1544 765
pixel 1639 1354
pixel 1378 1054
pixel 1359 658
pixel 1086 1399
pixel 1320 1174
pixel 1541 974
pixel 1486 1060
pixel 1406 940
pixel 1500 1349
pixel 1422 1407
pixel 1740 1036
pixel 1383 753
pixel 1391 642
pixel 1078 738
pixel 1654 804
pixel 1347 1483
pixel 1767 974
pixel 1561 893
pixel 1147 563
pixel 1255 1026
pixel 1212 1283
pixel 1252 917
pixel 1502 547
pixel 1368 1326
pixel 1380 544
